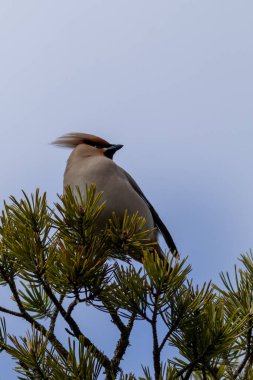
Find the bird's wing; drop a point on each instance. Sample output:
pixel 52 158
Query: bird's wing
pixel 157 220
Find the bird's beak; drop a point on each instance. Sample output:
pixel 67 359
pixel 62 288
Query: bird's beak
pixel 114 148
pixel 109 152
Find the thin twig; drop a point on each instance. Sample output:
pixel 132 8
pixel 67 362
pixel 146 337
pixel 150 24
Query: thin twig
pixel 11 312
pixel 69 332
pixel 156 351
pixel 37 371
pixel 115 317
pixel 121 347
pixel 71 307
pixel 171 330
pixel 103 359
pixel 52 338
pixel 248 352
pixel 78 300
pixel 190 367
pixel 140 312
pixel 188 374
pixel 55 315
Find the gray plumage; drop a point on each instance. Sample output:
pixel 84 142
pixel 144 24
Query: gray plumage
pixel 91 162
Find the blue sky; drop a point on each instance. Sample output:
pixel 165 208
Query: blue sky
pixel 171 80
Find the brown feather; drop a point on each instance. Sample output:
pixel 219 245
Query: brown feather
pixel 71 140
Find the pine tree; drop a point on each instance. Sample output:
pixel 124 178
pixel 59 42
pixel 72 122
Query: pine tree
pixel 55 260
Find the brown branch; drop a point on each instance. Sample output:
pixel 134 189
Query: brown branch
pixel 103 359
pixel 190 367
pixel 117 321
pixel 11 312
pixel 71 307
pixel 78 300
pixel 55 315
pixel 188 374
pixel 171 330
pixel 115 317
pixel 140 312
pixel 248 353
pixel 37 371
pixel 156 351
pixel 51 337
pixel 121 347
pixel 69 332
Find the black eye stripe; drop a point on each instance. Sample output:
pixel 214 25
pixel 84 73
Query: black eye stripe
pixel 94 144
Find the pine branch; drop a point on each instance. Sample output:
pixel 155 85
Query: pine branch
pixel 171 330
pixel 38 373
pixel 188 374
pixel 190 367
pixel 11 312
pixel 55 315
pixel 52 338
pixel 156 351
pixel 78 300
pixel 211 339
pixel 213 373
pixel 115 317
pixel 72 305
pixel 248 353
pixel 122 345
pixel 117 321
pixel 103 359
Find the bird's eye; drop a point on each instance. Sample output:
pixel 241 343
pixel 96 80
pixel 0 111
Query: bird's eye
pixel 94 144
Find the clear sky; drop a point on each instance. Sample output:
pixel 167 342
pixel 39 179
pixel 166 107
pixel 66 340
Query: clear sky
pixel 171 80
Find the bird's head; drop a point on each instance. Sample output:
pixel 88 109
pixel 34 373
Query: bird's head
pixel 89 145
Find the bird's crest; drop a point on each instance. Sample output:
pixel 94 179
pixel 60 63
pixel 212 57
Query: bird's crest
pixel 71 140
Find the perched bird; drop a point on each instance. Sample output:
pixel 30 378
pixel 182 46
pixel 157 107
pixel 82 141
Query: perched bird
pixel 91 161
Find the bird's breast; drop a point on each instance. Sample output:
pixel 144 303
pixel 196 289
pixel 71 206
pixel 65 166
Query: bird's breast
pixel 111 180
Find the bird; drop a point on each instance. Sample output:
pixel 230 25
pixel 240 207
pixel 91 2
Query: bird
pixel 91 162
